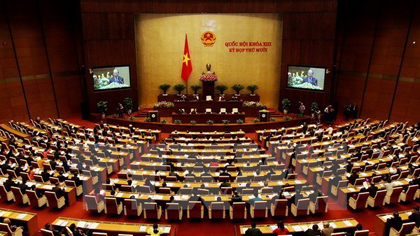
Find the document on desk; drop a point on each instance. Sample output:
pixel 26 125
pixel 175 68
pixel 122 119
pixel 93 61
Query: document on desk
pixel 142 228
pixel 81 224
pixel 21 216
pixel 93 226
pixel 166 230
pixel 2 213
pixel 120 194
pixel 273 227
pixel 347 223
pixel 297 228
pixel 333 225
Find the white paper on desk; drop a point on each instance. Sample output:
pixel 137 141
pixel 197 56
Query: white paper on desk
pixel 81 224
pixel 184 196
pixel 169 184
pixel 166 230
pixel 59 222
pixel 144 172
pixel 298 181
pixel 297 228
pixel 120 194
pixel 93 226
pixel 243 230
pixel 347 223
pixel 386 217
pixel 21 216
pixel 134 182
pixel 177 198
pixel 2 213
pixel 280 182
pixel 261 183
pixel 142 228
pixel 304 228
pixel 352 189
pixel 321 226
pixel 408 213
pixel 333 225
pixel 273 227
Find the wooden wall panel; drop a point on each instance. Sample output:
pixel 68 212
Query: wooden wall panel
pixel 371 59
pixel 46 51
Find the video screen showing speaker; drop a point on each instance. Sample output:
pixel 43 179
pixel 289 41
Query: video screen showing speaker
pixel 115 77
pixel 305 77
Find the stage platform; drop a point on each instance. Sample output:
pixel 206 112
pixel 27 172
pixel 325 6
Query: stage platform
pixel 248 126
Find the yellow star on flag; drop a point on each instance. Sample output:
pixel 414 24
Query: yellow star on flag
pixel 186 59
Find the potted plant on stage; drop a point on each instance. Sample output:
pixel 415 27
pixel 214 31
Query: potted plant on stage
pixel 195 88
pixel 164 88
pixel 286 105
pixel 314 109
pixel 221 88
pixel 252 88
pixel 102 108
pixel 238 88
pixel 128 105
pixel 179 88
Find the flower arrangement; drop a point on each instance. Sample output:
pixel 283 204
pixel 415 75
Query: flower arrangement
pixel 239 121
pixel 221 88
pixel 210 122
pixel 177 121
pixel 164 87
pixel 179 88
pixel 148 119
pixel 193 122
pixel 208 77
pixel 164 104
pixel 131 118
pixel 287 117
pixel 272 119
pixel 225 122
pixel 256 120
pixel 300 115
pixel 163 121
pixel 253 104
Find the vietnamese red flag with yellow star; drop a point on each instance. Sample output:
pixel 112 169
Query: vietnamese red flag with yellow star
pixel 186 62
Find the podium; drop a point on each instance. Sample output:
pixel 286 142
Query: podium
pixel 208 89
pixel 154 116
pixel 264 115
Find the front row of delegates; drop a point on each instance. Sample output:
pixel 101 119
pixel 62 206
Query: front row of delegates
pixel 314 231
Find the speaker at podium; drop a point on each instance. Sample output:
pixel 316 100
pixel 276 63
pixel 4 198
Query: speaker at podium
pixel 154 116
pixel 264 115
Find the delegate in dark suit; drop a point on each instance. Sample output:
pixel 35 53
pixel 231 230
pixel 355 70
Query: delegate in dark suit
pixel 117 79
pixel 311 80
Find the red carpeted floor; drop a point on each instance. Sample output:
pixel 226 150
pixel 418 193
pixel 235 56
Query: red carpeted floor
pixel 203 227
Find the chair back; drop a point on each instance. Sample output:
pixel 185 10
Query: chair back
pixel 395 195
pixel 126 188
pixel 361 200
pixel 151 210
pixel 302 206
pixel 185 191
pixel 3 192
pixel 379 198
pixel 18 195
pixel 321 204
pixel 361 233
pixel 411 192
pixel 33 198
pixel 111 205
pixel 239 209
pixel 52 199
pixel 91 203
pixel 172 211
pixel 46 232
pixel 5 228
pixel 260 209
pixel 194 208
pixel 407 228
pixel 131 207
pixel 280 207
pixel 38 178
pixel 143 189
pixel 217 210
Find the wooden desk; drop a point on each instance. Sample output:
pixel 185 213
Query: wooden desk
pixel 300 227
pixel 109 227
pixel 13 131
pixel 380 221
pixel 202 118
pixel 26 219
